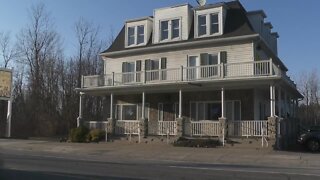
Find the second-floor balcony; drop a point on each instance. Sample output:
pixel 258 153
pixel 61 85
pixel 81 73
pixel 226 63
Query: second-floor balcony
pixel 243 70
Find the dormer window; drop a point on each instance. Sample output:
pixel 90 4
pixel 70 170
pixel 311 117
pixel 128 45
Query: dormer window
pixel 202 25
pixel 170 30
pixel 140 34
pixel 164 30
pixel 175 29
pixel 131 36
pixel 214 23
pixel 136 35
pixel 209 22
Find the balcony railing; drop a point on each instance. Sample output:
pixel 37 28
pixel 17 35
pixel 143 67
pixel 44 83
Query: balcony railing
pixel 187 74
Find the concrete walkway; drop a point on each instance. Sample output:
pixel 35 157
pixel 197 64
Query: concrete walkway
pixel 124 150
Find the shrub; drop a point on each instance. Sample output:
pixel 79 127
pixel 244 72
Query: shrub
pixel 79 134
pixel 96 135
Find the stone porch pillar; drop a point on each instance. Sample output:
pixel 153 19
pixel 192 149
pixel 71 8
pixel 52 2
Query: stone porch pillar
pixel 80 117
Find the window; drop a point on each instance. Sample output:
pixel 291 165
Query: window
pixel 202 25
pixel 131 36
pixel 140 34
pixel 209 61
pixel 208 24
pixel 170 29
pixel 126 112
pixel 214 18
pixel 128 69
pixel 135 35
pixel 164 30
pixel 175 29
pixel 152 68
pixel 205 111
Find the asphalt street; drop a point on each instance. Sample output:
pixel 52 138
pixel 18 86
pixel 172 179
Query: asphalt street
pixel 17 164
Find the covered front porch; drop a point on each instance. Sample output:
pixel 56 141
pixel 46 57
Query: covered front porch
pixel 195 110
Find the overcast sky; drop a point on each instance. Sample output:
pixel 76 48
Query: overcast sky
pixel 297 22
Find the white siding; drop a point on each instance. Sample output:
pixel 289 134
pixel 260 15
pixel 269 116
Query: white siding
pixel 183 12
pixel 175 59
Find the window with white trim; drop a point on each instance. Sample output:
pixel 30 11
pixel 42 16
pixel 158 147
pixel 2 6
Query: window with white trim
pixel 202 25
pixel 131 111
pixel 208 24
pixel 214 22
pixel 131 36
pixel 140 34
pixel 135 35
pixel 170 29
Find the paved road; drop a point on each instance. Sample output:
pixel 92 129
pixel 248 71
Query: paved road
pixel 17 164
pixel 36 159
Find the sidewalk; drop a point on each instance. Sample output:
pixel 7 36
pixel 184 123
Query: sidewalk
pixel 163 152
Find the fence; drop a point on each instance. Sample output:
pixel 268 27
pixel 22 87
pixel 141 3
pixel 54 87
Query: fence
pixel 166 127
pixel 205 128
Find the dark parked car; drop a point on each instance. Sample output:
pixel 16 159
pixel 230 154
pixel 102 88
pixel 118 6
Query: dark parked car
pixel 311 138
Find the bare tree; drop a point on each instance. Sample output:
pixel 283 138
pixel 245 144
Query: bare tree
pixel 310 106
pixel 39 47
pixel 7 51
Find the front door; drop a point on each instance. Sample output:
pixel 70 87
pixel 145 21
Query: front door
pixel 192 70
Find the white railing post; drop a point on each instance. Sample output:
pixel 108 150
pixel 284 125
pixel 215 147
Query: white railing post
pixel 222 70
pixel 112 78
pixel 106 129
pixel 271 67
pixel 180 103
pixel 181 73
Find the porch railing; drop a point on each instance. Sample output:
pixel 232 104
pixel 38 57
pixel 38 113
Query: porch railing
pixel 248 128
pixel 186 74
pixel 205 128
pixel 127 127
pixel 167 128
pixel 97 124
pixel 202 72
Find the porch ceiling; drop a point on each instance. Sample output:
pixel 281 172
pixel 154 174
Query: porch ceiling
pixel 184 86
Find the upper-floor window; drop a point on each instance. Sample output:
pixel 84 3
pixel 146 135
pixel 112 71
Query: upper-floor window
pixel 202 25
pixel 131 36
pixel 136 35
pixel 175 29
pixel 214 19
pixel 140 34
pixel 208 24
pixel 164 30
pixel 170 29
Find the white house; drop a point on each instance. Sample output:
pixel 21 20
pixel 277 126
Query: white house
pixel 204 71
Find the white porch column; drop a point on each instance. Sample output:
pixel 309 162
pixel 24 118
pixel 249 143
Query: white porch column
pixel 111 106
pixel 223 104
pixel 9 113
pixel 272 101
pixel 279 102
pixel 143 105
pixel 79 119
pixel 180 103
